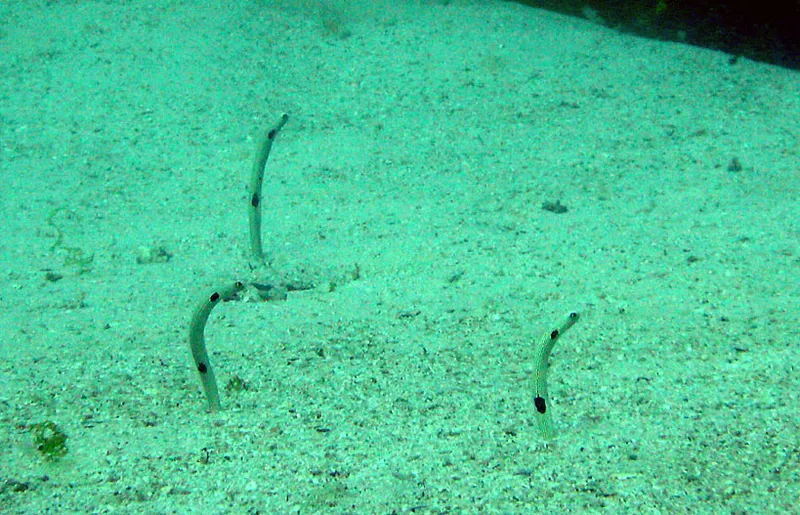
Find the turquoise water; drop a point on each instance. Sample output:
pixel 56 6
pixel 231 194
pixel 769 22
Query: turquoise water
pixel 454 178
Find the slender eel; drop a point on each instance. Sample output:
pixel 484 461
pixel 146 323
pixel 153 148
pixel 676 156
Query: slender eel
pixel 541 364
pixel 197 340
pixel 256 184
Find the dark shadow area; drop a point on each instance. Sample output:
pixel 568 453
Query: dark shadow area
pixel 767 30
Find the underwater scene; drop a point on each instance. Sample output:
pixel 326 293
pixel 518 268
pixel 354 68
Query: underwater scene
pixel 392 257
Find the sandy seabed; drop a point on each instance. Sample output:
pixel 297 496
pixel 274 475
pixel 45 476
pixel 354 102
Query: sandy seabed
pixel 407 197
